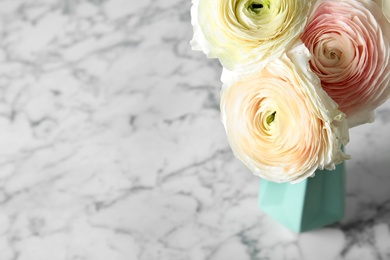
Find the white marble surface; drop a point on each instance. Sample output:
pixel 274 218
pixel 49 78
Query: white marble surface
pixel 111 147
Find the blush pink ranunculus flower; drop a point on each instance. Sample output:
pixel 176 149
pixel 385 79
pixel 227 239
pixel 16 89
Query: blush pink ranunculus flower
pixel 349 41
pixel 281 124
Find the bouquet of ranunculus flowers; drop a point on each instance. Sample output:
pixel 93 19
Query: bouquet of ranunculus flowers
pixel 297 74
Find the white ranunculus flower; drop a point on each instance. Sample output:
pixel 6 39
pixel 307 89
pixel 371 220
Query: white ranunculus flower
pixel 281 124
pixel 247 34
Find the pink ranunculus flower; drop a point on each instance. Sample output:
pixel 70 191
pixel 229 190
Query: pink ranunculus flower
pixel 349 41
pixel 385 4
pixel 281 124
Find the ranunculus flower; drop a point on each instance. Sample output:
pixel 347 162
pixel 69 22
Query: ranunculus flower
pixel 281 124
pixel 349 41
pixel 246 34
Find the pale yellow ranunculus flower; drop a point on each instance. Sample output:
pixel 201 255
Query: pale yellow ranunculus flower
pixel 281 124
pixel 247 34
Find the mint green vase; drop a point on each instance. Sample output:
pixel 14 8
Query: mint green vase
pixel 313 203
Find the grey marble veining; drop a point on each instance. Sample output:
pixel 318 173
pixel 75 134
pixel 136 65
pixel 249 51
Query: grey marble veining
pixel 112 147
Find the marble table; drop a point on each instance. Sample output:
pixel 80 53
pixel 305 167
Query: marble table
pixel 111 147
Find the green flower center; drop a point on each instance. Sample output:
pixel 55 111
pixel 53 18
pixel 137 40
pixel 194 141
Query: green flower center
pixel 257 16
pixel 257 6
pixel 271 118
